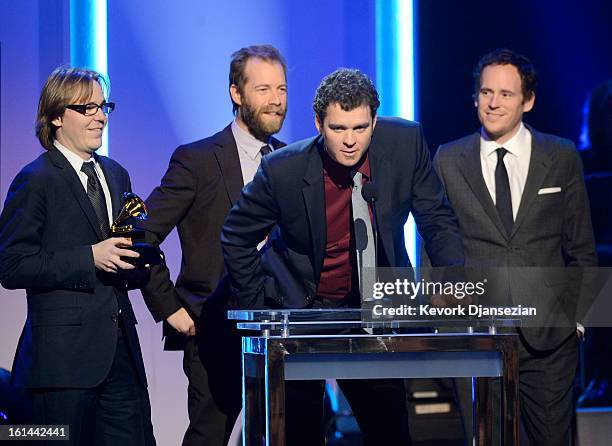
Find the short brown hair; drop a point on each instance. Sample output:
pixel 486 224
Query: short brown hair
pixel 63 86
pixel 504 56
pixel 240 59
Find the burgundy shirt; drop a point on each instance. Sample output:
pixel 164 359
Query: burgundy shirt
pixel 336 281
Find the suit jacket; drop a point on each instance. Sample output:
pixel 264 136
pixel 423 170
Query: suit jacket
pixel 47 228
pixel 201 184
pixel 550 230
pixel 288 190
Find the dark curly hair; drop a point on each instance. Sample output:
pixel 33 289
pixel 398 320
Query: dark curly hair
pixel 504 56
pixel 347 87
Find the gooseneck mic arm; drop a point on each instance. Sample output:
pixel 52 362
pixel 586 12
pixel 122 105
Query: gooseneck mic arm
pixel 370 194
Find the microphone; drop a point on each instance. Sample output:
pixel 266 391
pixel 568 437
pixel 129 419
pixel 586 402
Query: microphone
pixel 361 243
pixel 361 235
pixel 369 192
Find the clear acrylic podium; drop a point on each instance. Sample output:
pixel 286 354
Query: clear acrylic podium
pixel 282 345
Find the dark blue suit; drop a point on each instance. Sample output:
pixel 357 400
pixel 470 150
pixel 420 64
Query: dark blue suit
pixel 288 191
pixel 79 320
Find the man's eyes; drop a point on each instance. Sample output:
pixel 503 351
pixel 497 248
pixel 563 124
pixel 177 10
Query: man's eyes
pixel 342 129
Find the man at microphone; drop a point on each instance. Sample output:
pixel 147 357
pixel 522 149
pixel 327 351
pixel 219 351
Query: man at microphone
pixel 313 192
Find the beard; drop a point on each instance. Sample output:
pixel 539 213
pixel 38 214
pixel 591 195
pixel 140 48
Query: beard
pixel 260 125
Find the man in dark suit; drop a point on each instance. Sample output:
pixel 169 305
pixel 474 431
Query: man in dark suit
pixel 78 354
pixel 520 199
pixel 306 190
pixel 202 183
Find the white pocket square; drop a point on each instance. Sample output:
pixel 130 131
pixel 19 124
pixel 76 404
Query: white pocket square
pixel 549 190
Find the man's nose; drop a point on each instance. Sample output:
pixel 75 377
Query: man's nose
pixel 100 115
pixel 275 98
pixel 494 101
pixel 349 139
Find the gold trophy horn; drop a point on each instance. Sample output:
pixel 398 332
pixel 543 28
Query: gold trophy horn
pixel 133 208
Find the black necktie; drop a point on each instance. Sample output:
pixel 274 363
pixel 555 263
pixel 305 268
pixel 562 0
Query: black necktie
pixel 265 150
pixel 503 198
pixel 96 196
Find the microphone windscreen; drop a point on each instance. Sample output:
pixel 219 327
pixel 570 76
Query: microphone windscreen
pixel 361 235
pixel 369 191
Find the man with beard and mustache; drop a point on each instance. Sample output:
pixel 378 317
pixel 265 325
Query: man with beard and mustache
pixel 202 183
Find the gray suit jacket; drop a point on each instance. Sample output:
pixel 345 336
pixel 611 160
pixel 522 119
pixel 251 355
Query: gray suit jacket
pixel 551 230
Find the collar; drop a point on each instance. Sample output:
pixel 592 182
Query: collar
pixel 247 142
pixel 515 145
pixel 341 175
pixel 75 160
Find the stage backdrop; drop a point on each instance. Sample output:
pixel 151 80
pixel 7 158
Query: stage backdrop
pixel 168 66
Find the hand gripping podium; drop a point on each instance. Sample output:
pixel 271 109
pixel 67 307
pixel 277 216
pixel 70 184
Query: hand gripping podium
pixel 283 345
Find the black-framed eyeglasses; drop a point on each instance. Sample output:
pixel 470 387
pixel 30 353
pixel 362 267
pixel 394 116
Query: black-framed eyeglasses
pixel 92 108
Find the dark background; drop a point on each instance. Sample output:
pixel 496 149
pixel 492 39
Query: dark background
pixel 569 42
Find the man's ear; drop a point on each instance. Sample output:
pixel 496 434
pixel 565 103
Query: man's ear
pixel 235 94
pixel 318 124
pixel 528 104
pixel 57 122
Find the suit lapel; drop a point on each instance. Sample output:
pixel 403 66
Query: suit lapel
pixel 76 187
pixel 314 201
pixel 276 144
pixel 471 169
pixel 539 164
pixel 229 163
pixel 378 165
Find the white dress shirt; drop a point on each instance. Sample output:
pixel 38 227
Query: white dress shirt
pixel 77 162
pixel 516 162
pixel 249 152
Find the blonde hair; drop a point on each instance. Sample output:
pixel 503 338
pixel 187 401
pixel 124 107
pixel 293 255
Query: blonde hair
pixel 63 86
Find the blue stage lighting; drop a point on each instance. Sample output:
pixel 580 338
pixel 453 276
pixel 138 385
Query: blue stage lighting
pixel 395 74
pixel 88 41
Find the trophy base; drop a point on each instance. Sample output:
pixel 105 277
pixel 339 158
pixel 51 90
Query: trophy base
pixel 149 255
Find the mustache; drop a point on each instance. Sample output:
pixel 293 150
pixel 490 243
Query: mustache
pixel 281 111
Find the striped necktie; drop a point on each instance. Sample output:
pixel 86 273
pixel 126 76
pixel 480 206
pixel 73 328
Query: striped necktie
pixel 96 196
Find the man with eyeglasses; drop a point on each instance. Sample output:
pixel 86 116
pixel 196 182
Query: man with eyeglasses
pixel 78 355
pixel 202 183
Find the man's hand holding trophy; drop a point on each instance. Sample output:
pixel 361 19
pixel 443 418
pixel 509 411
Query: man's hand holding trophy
pixel 125 225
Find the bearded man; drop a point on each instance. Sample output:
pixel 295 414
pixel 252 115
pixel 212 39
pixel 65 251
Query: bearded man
pixel 202 183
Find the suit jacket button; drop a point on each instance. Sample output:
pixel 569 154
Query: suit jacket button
pixel 114 318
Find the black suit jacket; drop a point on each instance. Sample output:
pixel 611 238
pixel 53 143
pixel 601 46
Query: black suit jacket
pixel 201 184
pixel 288 190
pixel 47 228
pixel 552 230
